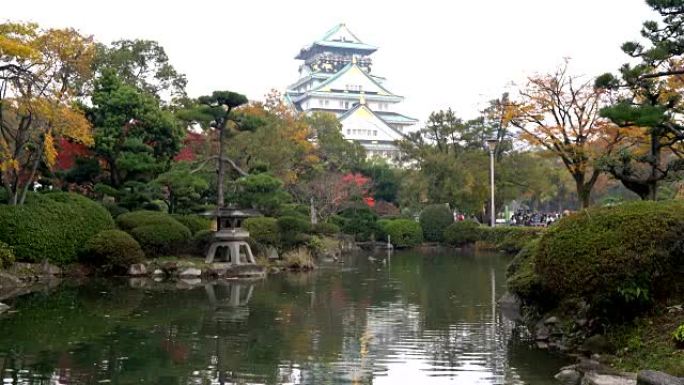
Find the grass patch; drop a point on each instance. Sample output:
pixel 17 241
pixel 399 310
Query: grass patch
pixel 647 343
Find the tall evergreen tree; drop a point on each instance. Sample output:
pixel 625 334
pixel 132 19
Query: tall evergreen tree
pixel 649 106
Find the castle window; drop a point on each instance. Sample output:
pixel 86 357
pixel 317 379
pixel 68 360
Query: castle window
pixel 375 132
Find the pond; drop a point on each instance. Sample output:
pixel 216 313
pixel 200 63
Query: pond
pixel 415 318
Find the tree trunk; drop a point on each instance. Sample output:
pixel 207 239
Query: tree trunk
pixel 583 191
pixel 114 179
pixel 221 170
pixel 30 179
pixel 653 180
pixel 172 202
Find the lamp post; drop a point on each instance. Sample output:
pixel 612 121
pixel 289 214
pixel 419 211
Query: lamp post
pixel 491 145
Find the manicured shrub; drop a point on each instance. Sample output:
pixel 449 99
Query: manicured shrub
pixel 6 255
pixel 326 228
pixel 293 225
pixel 508 239
pixel 404 232
pixel 294 231
pixel 194 223
pixel 614 258
pixel 115 210
pixel 522 279
pixel 112 251
pixel 152 206
pixel 462 233
pixel 162 239
pixel 434 219
pixel 53 226
pixel 263 230
pixel 294 211
pixel 134 219
pixel 200 242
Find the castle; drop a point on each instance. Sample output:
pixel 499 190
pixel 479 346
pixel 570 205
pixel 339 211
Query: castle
pixel 335 77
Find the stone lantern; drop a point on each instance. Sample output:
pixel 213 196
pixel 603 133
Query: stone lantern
pixel 231 235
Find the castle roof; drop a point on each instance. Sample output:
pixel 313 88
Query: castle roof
pixel 352 74
pixel 338 37
pixel 365 114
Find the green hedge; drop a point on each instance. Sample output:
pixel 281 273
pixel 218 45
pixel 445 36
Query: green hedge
pixel 264 230
pixel 614 258
pixel 194 223
pixel 404 232
pixel 53 226
pixel 6 255
pixel 162 239
pixel 112 251
pixel 462 233
pixel 434 219
pixel 129 221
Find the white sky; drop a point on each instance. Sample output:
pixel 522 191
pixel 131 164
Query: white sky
pixel 436 53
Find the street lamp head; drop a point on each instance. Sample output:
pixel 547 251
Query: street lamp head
pixel 491 143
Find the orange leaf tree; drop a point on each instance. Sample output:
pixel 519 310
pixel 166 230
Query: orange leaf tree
pixel 560 113
pixel 40 72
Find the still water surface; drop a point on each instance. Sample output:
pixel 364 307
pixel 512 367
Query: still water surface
pixel 413 319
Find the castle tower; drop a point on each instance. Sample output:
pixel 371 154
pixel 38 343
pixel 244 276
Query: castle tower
pixel 335 77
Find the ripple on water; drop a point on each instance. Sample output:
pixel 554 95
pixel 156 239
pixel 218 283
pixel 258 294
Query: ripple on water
pixel 414 320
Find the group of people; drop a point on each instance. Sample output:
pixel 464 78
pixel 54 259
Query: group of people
pixel 523 218
pixel 534 219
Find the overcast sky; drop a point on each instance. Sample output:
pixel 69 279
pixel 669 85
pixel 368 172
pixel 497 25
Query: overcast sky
pixel 435 53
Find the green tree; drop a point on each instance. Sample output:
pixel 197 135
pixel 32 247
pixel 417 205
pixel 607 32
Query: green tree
pixel 181 187
pixel 143 64
pixel 649 106
pixel 215 111
pixel 262 192
pixel 134 137
pixel 385 180
pixel 337 153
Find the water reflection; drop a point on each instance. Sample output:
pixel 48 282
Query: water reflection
pixel 410 318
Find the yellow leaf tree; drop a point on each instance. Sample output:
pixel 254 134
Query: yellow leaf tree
pixel 560 113
pixel 40 73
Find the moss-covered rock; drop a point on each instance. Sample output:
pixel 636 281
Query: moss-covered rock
pixel 6 255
